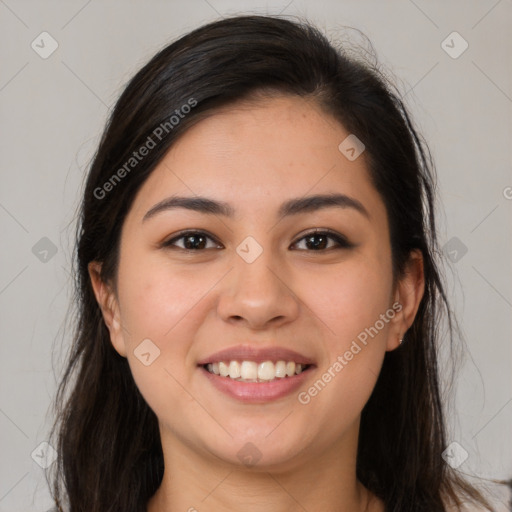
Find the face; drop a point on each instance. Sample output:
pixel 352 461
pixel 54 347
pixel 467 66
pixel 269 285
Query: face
pixel 259 282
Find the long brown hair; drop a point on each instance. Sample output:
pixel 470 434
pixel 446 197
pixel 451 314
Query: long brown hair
pixel 107 438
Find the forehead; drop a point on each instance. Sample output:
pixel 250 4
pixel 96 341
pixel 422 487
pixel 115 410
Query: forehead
pixel 257 154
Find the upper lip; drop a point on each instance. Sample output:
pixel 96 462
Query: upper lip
pixel 256 354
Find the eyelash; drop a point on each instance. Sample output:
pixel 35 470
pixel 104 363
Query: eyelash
pixel 342 242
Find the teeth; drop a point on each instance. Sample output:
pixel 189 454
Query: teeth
pixel 266 371
pixel 223 369
pixel 235 371
pixel 249 371
pixel 280 369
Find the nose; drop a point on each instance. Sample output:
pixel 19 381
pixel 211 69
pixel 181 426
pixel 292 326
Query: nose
pixel 258 294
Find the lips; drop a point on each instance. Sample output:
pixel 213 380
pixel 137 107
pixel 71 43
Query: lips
pixel 258 355
pixel 256 389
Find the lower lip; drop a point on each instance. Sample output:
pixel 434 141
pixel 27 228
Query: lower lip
pixel 257 392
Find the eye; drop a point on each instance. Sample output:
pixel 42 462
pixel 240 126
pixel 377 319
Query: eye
pixel 194 240
pixel 318 240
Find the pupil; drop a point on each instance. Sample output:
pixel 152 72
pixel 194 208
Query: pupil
pixel 194 239
pixel 317 245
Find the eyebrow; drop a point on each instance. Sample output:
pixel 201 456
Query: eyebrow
pixel 291 207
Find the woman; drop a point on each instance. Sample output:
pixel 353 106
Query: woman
pixel 258 290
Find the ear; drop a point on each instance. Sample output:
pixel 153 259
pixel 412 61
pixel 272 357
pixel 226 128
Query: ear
pixel 408 294
pixel 109 306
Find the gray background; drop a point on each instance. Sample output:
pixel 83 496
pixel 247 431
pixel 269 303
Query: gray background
pixel 53 110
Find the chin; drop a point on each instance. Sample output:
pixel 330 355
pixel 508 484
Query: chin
pixel 260 453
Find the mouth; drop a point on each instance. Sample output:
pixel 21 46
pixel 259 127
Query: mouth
pixel 256 382
pixel 254 372
pixel 256 375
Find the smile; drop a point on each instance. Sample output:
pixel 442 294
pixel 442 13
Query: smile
pixel 251 371
pixel 252 389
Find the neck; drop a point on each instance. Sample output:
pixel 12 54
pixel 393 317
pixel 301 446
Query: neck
pixel 195 481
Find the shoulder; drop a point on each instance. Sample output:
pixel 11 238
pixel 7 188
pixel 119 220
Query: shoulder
pixel 498 506
pixel 466 507
pixel 497 494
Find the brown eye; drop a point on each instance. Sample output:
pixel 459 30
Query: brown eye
pixel 192 241
pixel 319 241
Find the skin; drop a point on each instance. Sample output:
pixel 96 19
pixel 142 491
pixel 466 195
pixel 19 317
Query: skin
pixel 256 155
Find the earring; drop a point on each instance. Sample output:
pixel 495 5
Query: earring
pixel 400 341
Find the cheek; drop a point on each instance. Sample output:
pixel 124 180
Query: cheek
pixel 341 388
pixel 348 299
pixel 349 303
pixel 165 307
pixel 155 302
